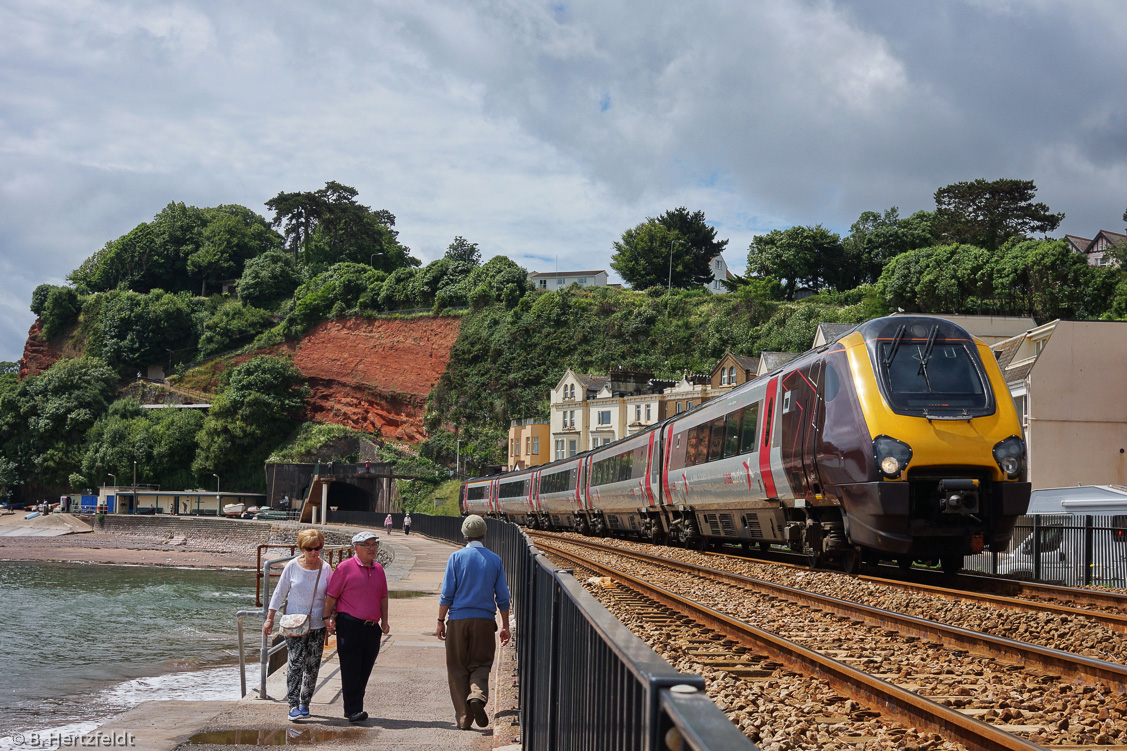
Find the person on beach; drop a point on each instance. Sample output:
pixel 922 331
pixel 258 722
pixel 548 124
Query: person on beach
pixel 387 525
pixel 303 587
pixel 407 524
pixel 473 590
pixel 356 611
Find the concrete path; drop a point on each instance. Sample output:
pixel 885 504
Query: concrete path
pixel 407 699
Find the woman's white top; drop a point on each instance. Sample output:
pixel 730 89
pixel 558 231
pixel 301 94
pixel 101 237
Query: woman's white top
pixel 296 583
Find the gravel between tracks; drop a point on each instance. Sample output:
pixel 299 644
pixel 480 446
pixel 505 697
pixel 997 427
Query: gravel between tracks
pixel 1026 703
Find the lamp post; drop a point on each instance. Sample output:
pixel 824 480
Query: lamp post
pixel 218 503
pixel 114 482
pixel 135 504
pixel 669 282
pixel 458 459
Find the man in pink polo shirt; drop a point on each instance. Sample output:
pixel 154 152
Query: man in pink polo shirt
pixel 356 611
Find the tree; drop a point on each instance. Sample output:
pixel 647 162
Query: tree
pixel 43 420
pixel 875 239
pixel 263 398
pixel 232 236
pixel 182 249
pixel 797 256
pixel 268 279
pixel 987 214
pixel 329 226
pixel 674 249
pixel 462 250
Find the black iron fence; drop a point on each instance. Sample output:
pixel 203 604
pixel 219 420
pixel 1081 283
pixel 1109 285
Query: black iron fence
pixel 587 682
pixel 1071 549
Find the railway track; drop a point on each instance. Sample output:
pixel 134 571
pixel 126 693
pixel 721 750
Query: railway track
pixel 979 690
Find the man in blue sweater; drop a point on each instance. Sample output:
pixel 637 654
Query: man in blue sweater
pixel 473 590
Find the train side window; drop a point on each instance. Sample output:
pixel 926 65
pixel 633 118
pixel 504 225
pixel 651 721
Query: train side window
pixel 693 449
pixel 732 436
pixel 638 468
pixel 716 439
pixel 767 422
pixel 750 425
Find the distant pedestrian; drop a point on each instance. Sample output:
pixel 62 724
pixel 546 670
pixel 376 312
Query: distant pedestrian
pixel 358 598
pixel 473 590
pixel 302 588
pixel 407 524
pixel 387 525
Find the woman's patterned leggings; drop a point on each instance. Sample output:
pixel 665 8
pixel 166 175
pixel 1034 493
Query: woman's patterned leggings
pixel 305 661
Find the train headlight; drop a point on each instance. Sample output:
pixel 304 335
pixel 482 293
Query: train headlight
pixel 892 455
pixel 1010 455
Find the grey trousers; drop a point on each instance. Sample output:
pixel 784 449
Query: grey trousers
pixel 470 646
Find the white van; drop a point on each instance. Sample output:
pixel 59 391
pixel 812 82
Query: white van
pixel 1082 537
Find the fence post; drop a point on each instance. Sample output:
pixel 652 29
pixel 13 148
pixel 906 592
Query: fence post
pixel 1037 547
pixel 1088 551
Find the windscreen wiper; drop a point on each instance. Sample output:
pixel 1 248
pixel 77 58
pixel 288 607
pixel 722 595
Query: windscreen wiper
pixel 925 355
pixel 894 346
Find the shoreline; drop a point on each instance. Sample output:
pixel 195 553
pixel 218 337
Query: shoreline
pixel 105 548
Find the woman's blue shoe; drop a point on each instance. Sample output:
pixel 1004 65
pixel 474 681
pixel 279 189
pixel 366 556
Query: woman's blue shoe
pixel 304 710
pixel 295 714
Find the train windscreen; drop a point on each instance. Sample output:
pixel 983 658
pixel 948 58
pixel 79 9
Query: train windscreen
pixel 931 370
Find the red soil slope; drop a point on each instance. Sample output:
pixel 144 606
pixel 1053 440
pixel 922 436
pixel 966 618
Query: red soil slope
pixel 369 374
pixel 374 374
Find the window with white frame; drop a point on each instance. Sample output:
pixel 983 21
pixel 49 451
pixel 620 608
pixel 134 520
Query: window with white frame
pixel 560 449
pixel 648 418
pixel 535 445
pixel 582 280
pixel 637 413
pixel 603 417
pixel 723 376
pixel 571 447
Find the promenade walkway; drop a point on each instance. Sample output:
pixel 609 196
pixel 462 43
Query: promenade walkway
pixel 407 700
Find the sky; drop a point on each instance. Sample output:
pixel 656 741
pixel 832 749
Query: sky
pixel 542 131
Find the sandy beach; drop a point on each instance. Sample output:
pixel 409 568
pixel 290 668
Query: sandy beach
pixel 95 547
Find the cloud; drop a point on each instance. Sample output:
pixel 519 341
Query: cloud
pixel 543 131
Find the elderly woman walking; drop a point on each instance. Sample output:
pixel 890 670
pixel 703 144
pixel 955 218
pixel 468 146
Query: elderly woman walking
pixel 302 588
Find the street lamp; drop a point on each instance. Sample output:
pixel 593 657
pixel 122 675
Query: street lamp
pixel 218 502
pixel 134 502
pixel 216 484
pixel 114 484
pixel 458 459
pixel 669 283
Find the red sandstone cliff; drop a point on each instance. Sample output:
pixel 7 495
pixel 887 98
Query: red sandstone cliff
pixel 369 374
pixel 374 374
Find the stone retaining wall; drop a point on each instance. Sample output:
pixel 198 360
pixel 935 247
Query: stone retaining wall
pixel 208 533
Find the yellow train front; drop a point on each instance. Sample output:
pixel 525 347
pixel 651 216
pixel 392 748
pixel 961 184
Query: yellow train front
pixel 914 440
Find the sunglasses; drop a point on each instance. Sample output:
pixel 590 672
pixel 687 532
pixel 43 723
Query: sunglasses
pixel 317 548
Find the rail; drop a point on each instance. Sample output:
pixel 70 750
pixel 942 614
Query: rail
pixel 585 680
pixel 333 553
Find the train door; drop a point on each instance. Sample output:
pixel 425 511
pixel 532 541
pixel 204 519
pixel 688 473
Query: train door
pixel 811 429
pixel 799 399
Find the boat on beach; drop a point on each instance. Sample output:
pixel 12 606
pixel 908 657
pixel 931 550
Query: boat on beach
pixel 234 509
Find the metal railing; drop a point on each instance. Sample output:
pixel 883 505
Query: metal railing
pixel 585 680
pixel 262 585
pixel 1071 549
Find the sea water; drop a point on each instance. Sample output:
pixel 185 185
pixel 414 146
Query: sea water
pixel 84 642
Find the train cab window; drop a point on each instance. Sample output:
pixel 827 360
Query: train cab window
pixel 929 368
pixel 732 434
pixel 750 424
